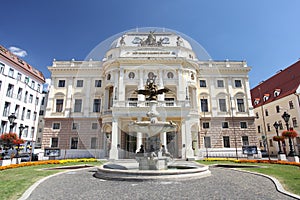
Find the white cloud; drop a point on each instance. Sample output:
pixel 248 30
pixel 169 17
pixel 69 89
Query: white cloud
pixel 17 51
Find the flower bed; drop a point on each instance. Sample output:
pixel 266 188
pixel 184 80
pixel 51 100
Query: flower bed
pixel 281 162
pixel 278 138
pixel 46 162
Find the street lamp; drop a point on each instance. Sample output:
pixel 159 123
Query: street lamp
pixel 286 118
pixel 11 119
pixel 21 128
pixel 276 126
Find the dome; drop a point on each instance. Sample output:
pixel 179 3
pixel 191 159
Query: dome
pixel 148 37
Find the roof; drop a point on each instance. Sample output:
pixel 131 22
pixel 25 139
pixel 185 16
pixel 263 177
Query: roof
pixel 282 84
pixel 22 64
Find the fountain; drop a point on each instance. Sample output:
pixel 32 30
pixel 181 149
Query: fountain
pixel 152 165
pixel 152 160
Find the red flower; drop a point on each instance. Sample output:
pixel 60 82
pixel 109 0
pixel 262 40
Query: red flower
pixel 290 133
pixel 278 138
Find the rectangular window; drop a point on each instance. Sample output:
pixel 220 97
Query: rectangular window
pixel 38 88
pixel 132 102
pixel 6 109
pixel 61 83
pixel 19 76
pixel 220 83
pixel 96 105
pixel 43 101
pixel 202 83
pixel 56 126
pixel 41 112
pixel 243 124
pixel 32 84
pixel 226 142
pixel 207 142
pixel 257 116
pixel 98 83
pixel 28 114
pixel 258 129
pixel 3 127
pixel 11 73
pixel 74 142
pixel 25 97
pixel 78 105
pixel 0 84
pixel 93 143
pixel 2 65
pixel 30 98
pixel 268 127
pixel 169 101
pixel 54 142
pixel 34 116
pixel 37 101
pixel 295 123
pixel 240 104
pixel 17 110
pixel 267 112
pixel 204 105
pixel 19 96
pixel 222 104
pixel 291 104
pixel 94 126
pixel 10 90
pixel 238 83
pixel 79 83
pixel 277 109
pixel 26 80
pixel 23 113
pixel 225 125
pixel 205 125
pixel 59 105
pixel 245 140
pixel 75 126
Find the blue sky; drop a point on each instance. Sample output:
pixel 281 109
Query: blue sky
pixel 265 33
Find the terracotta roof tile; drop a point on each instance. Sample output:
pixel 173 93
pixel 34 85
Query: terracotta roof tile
pixel 285 82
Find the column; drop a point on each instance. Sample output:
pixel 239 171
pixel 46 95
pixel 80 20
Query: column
pixel 139 138
pixel 188 140
pixel 113 154
pixel 183 144
pixel 163 139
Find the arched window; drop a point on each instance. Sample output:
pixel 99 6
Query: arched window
pixel 170 75
pixel 131 75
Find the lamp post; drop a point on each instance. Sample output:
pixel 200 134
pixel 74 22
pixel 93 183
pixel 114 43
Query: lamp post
pixel 11 119
pixel 21 128
pixel 286 118
pixel 276 126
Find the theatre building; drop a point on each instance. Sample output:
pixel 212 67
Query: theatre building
pixel 92 103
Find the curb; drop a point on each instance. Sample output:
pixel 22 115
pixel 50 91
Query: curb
pixel 28 192
pixel 277 184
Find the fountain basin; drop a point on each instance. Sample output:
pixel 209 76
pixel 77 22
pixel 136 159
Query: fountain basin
pixel 179 170
pixel 152 129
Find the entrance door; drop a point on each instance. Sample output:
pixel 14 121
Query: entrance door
pixel 172 143
pixel 130 145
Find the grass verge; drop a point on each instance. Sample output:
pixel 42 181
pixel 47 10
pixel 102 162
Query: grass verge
pixel 14 182
pixel 287 175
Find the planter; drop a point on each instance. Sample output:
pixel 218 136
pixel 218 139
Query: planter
pixel 10 161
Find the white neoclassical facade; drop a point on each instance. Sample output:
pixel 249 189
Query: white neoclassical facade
pixel 92 103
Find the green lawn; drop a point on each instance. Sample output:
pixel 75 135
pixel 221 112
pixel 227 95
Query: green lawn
pixel 14 182
pixel 287 175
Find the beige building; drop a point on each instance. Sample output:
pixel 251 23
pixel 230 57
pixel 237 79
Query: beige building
pixel 92 103
pixel 271 99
